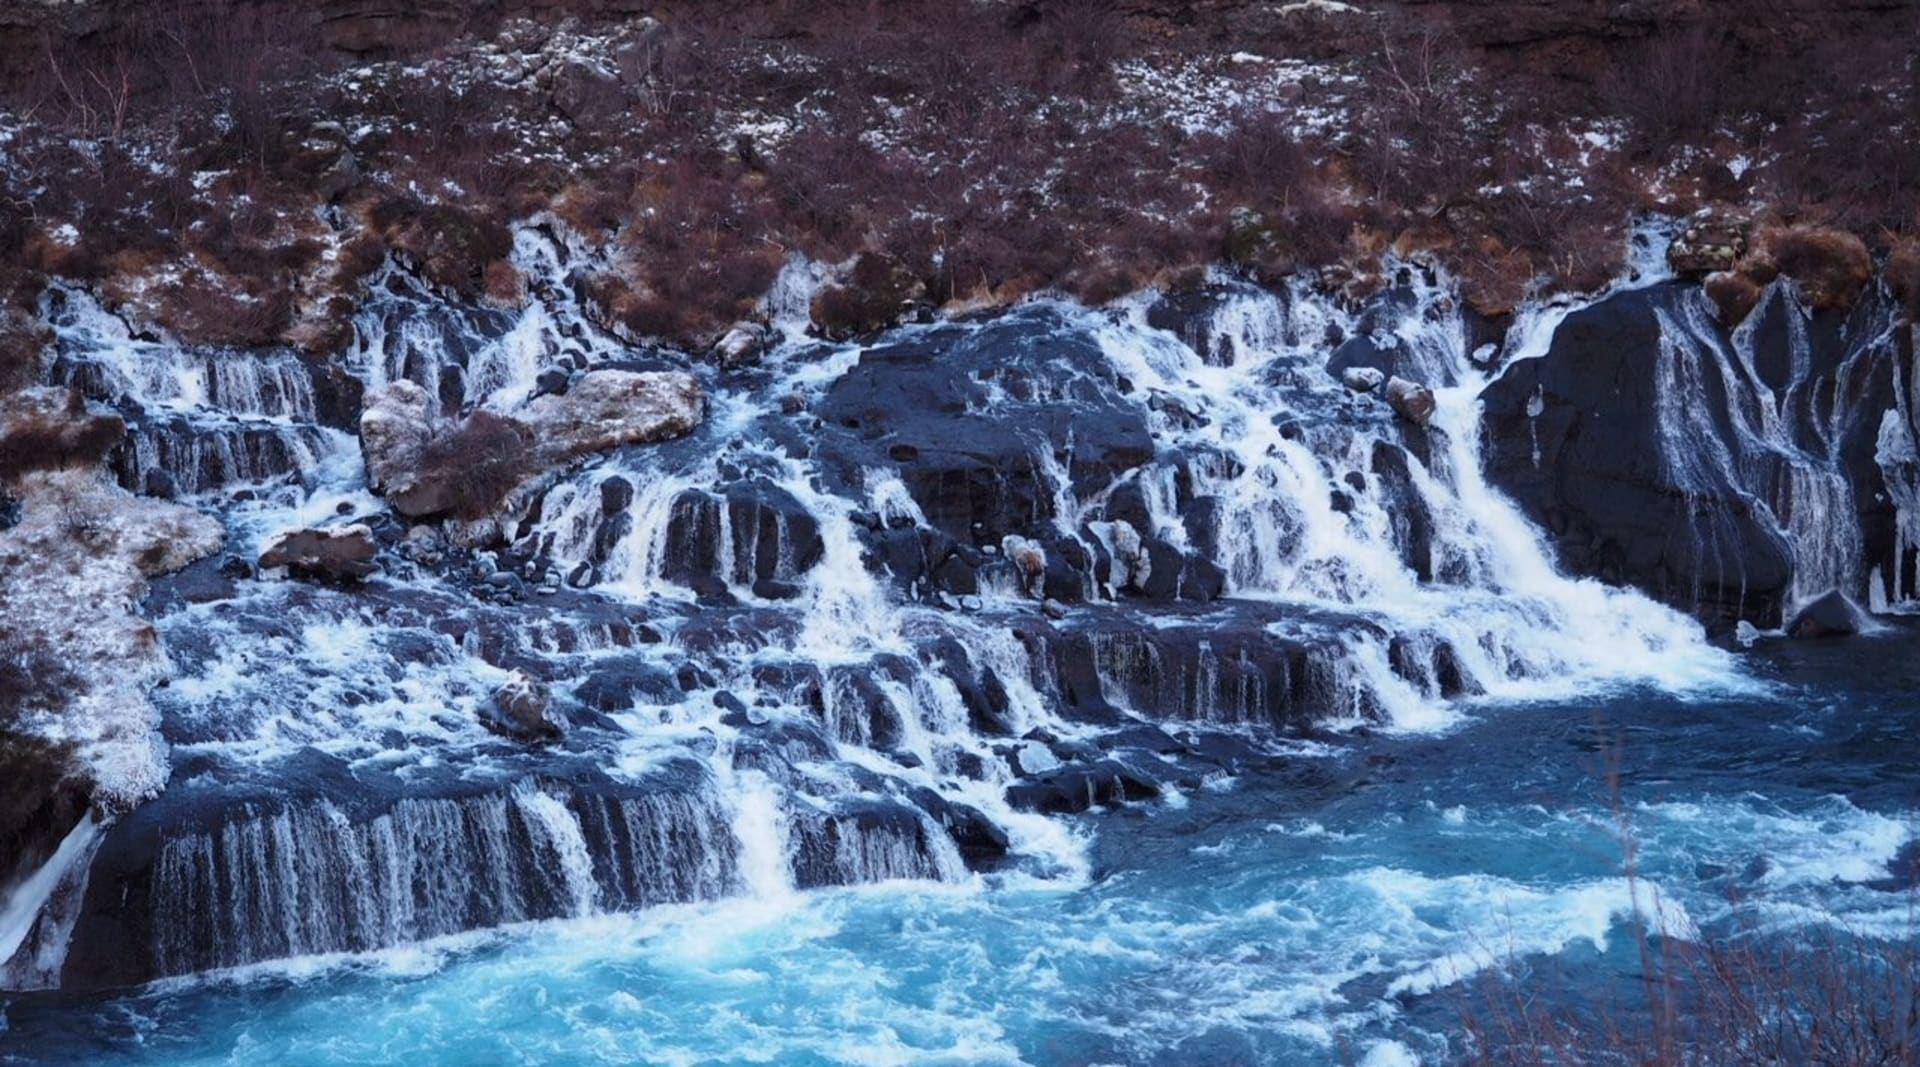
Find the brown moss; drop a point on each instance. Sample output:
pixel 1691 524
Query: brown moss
pixel 876 291
pixel 1831 266
pixel 452 246
pixel 42 793
pixel 504 285
pixel 1903 275
pixel 45 440
pixel 212 309
pixel 21 345
pixel 1735 294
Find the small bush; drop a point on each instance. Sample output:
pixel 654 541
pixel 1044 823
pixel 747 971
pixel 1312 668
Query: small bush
pixel 44 441
pixel 479 461
pixel 1903 275
pixel 1832 267
pixel 21 344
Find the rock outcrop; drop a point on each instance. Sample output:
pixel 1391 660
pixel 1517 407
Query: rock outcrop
pixel 1625 444
pixel 395 427
pixel 72 569
pixel 1707 244
pixel 523 708
pixel 336 553
pixel 1410 400
pixel 1830 615
pixel 605 409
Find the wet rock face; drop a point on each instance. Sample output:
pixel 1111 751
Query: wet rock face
pixel 1588 464
pixel 1634 444
pixel 980 423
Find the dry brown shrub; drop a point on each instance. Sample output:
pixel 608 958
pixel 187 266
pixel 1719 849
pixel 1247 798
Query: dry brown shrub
pixel 1831 266
pixel 47 441
pixel 479 460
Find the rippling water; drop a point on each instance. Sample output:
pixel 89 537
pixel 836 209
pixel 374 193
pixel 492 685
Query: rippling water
pixel 1331 907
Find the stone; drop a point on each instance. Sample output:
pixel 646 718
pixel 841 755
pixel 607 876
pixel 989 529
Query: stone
pixel 337 553
pixel 605 409
pixel 616 494
pixel 1053 609
pixel 741 346
pixel 1362 379
pixel 523 708
pixel 1410 400
pixel 587 94
pixel 1708 244
pixel 1029 561
pixel 161 484
pixel 553 380
pixel 396 425
pixel 1830 615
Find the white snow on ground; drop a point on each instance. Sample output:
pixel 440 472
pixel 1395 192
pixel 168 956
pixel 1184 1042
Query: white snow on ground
pixel 72 573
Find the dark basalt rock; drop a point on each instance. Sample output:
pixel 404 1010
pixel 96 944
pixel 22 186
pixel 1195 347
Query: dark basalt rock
pixel 969 417
pixel 1072 789
pixel 773 537
pixel 1831 615
pixel 1575 439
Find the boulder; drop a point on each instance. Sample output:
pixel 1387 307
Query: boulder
pixel 338 553
pixel 1829 615
pixel 396 424
pixel 608 408
pixel 1735 294
pixel 1029 560
pixel 1071 789
pixel 741 346
pixel 1707 245
pixel 587 94
pixel 1362 379
pixel 1410 400
pixel 523 708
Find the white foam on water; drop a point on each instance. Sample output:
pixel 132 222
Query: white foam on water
pixel 550 817
pixel 1389 1054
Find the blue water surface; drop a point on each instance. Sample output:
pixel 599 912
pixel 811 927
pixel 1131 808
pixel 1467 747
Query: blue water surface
pixel 1340 905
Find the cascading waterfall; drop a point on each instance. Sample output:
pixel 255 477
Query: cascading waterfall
pixel 888 608
pixel 1783 451
pixel 199 420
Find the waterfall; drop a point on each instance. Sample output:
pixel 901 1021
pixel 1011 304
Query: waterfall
pixel 1768 442
pixel 37 918
pixel 311 879
pixel 893 602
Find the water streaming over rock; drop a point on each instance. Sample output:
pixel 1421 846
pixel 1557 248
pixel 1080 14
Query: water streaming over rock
pixel 891 610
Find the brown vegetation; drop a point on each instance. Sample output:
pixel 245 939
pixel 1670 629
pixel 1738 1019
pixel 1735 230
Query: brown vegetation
pixel 1018 166
pixel 478 461
pixel 39 440
pixel 1831 266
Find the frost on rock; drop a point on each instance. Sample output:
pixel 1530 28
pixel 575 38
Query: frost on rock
pixel 72 573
